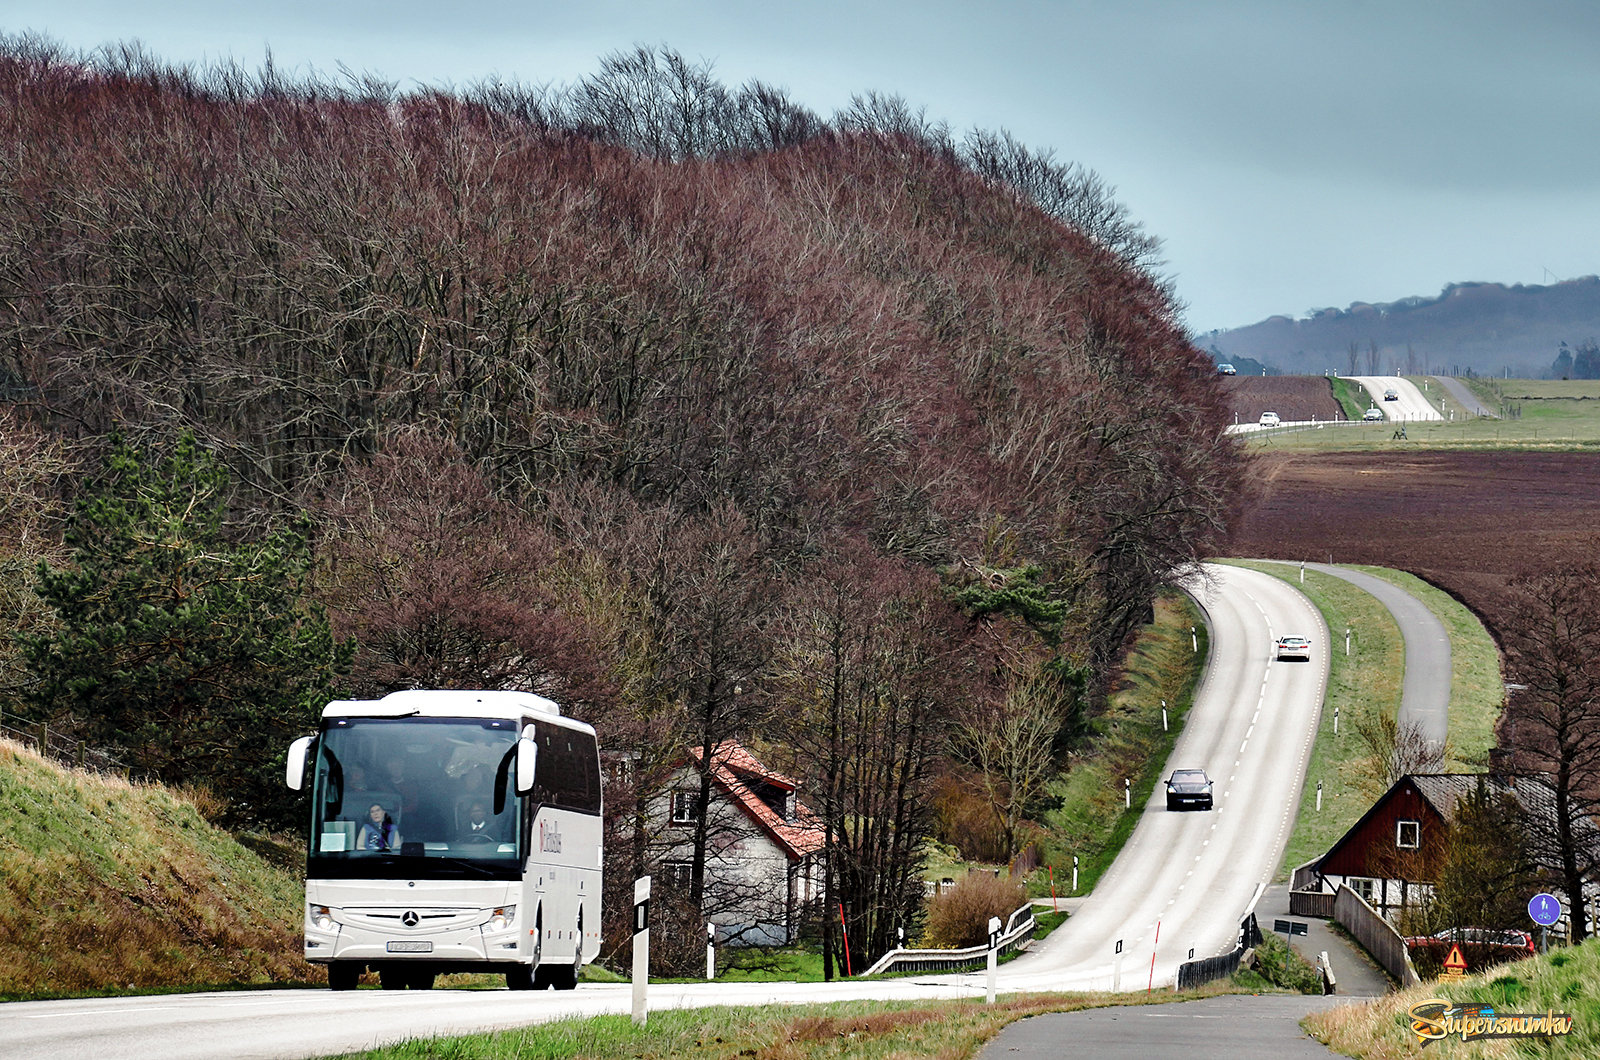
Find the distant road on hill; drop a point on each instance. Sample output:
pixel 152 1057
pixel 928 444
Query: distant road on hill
pixel 1463 396
pixel 1408 405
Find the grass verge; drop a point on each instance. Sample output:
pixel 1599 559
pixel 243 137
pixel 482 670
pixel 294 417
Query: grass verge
pixel 947 1030
pixel 1364 682
pixel 109 887
pixel 1565 981
pixel 1128 743
pixel 1350 396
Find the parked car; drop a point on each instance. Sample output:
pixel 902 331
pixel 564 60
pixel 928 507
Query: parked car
pixel 1391 394
pixel 1496 941
pixel 1188 787
pixel 1294 648
pixel 1270 419
pixel 1227 369
pixel 1374 413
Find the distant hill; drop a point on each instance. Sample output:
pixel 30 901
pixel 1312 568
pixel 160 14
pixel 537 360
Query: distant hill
pixel 1486 327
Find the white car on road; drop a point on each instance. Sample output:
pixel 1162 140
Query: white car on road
pixel 1294 648
pixel 1270 419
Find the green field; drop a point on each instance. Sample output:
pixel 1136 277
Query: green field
pixel 1537 413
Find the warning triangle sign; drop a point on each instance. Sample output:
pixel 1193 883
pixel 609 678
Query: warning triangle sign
pixel 1455 963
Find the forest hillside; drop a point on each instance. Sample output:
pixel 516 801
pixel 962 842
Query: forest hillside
pixel 702 414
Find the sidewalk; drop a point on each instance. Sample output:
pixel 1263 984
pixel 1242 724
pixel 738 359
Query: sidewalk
pixel 1354 973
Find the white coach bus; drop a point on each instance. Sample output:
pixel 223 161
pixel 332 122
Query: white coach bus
pixel 451 831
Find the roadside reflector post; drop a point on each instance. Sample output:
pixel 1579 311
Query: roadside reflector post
pixel 1336 719
pixel 711 951
pixel 1347 640
pixel 1194 639
pixel 1116 971
pixel 1163 715
pixel 1127 793
pixel 994 953
pixel 1074 874
pixel 641 947
pixel 1302 572
pixel 1319 796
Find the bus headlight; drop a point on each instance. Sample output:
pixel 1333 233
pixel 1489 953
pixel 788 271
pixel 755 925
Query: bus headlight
pixel 502 918
pixel 322 918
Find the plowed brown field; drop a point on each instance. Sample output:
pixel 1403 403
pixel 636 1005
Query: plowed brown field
pixel 1293 397
pixel 1466 522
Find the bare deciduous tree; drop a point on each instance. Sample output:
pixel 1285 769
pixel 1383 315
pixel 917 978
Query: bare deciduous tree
pixel 1551 728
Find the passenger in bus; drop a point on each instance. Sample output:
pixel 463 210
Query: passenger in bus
pixel 378 833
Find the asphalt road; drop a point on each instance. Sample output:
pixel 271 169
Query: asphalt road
pixel 1464 397
pixel 1236 1027
pixel 1409 407
pixel 1189 875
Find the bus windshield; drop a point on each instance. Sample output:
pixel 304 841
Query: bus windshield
pixel 398 789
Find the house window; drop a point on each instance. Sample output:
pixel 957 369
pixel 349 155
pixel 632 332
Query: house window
pixel 685 807
pixel 1366 887
pixel 1408 834
pixel 677 875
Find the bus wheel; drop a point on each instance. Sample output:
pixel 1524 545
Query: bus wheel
pixel 519 977
pixel 422 979
pixel 564 978
pixel 394 978
pixel 344 975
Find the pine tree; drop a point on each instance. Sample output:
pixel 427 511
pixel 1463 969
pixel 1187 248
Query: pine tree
pixel 193 656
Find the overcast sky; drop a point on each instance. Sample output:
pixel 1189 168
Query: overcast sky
pixel 1292 155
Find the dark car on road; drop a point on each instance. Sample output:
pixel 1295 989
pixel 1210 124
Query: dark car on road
pixel 1188 787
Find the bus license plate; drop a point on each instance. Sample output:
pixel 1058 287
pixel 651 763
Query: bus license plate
pixel 410 947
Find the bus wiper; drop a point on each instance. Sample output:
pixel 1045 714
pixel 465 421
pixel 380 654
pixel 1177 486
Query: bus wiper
pixel 468 865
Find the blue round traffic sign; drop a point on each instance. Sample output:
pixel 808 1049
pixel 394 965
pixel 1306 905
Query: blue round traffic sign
pixel 1545 909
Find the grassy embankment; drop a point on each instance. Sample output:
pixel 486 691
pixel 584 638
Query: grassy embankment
pixel 940 1030
pixel 1548 414
pixel 1127 742
pixel 1370 679
pixel 1564 981
pixel 110 887
pixel 1351 397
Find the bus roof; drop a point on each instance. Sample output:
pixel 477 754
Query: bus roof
pixel 445 703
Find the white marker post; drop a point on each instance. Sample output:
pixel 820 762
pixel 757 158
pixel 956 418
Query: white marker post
pixel 1074 874
pixel 994 953
pixel 1319 796
pixel 1163 715
pixel 1127 793
pixel 641 947
pixel 1116 971
pixel 711 952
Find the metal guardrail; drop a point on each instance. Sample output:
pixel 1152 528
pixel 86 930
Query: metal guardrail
pixel 1198 972
pixel 1016 935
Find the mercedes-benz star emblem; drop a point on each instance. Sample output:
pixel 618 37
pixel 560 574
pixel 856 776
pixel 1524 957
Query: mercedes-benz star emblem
pixel 409 918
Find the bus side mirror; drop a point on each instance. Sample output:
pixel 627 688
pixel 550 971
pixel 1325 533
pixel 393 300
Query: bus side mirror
pixel 527 765
pixel 295 770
